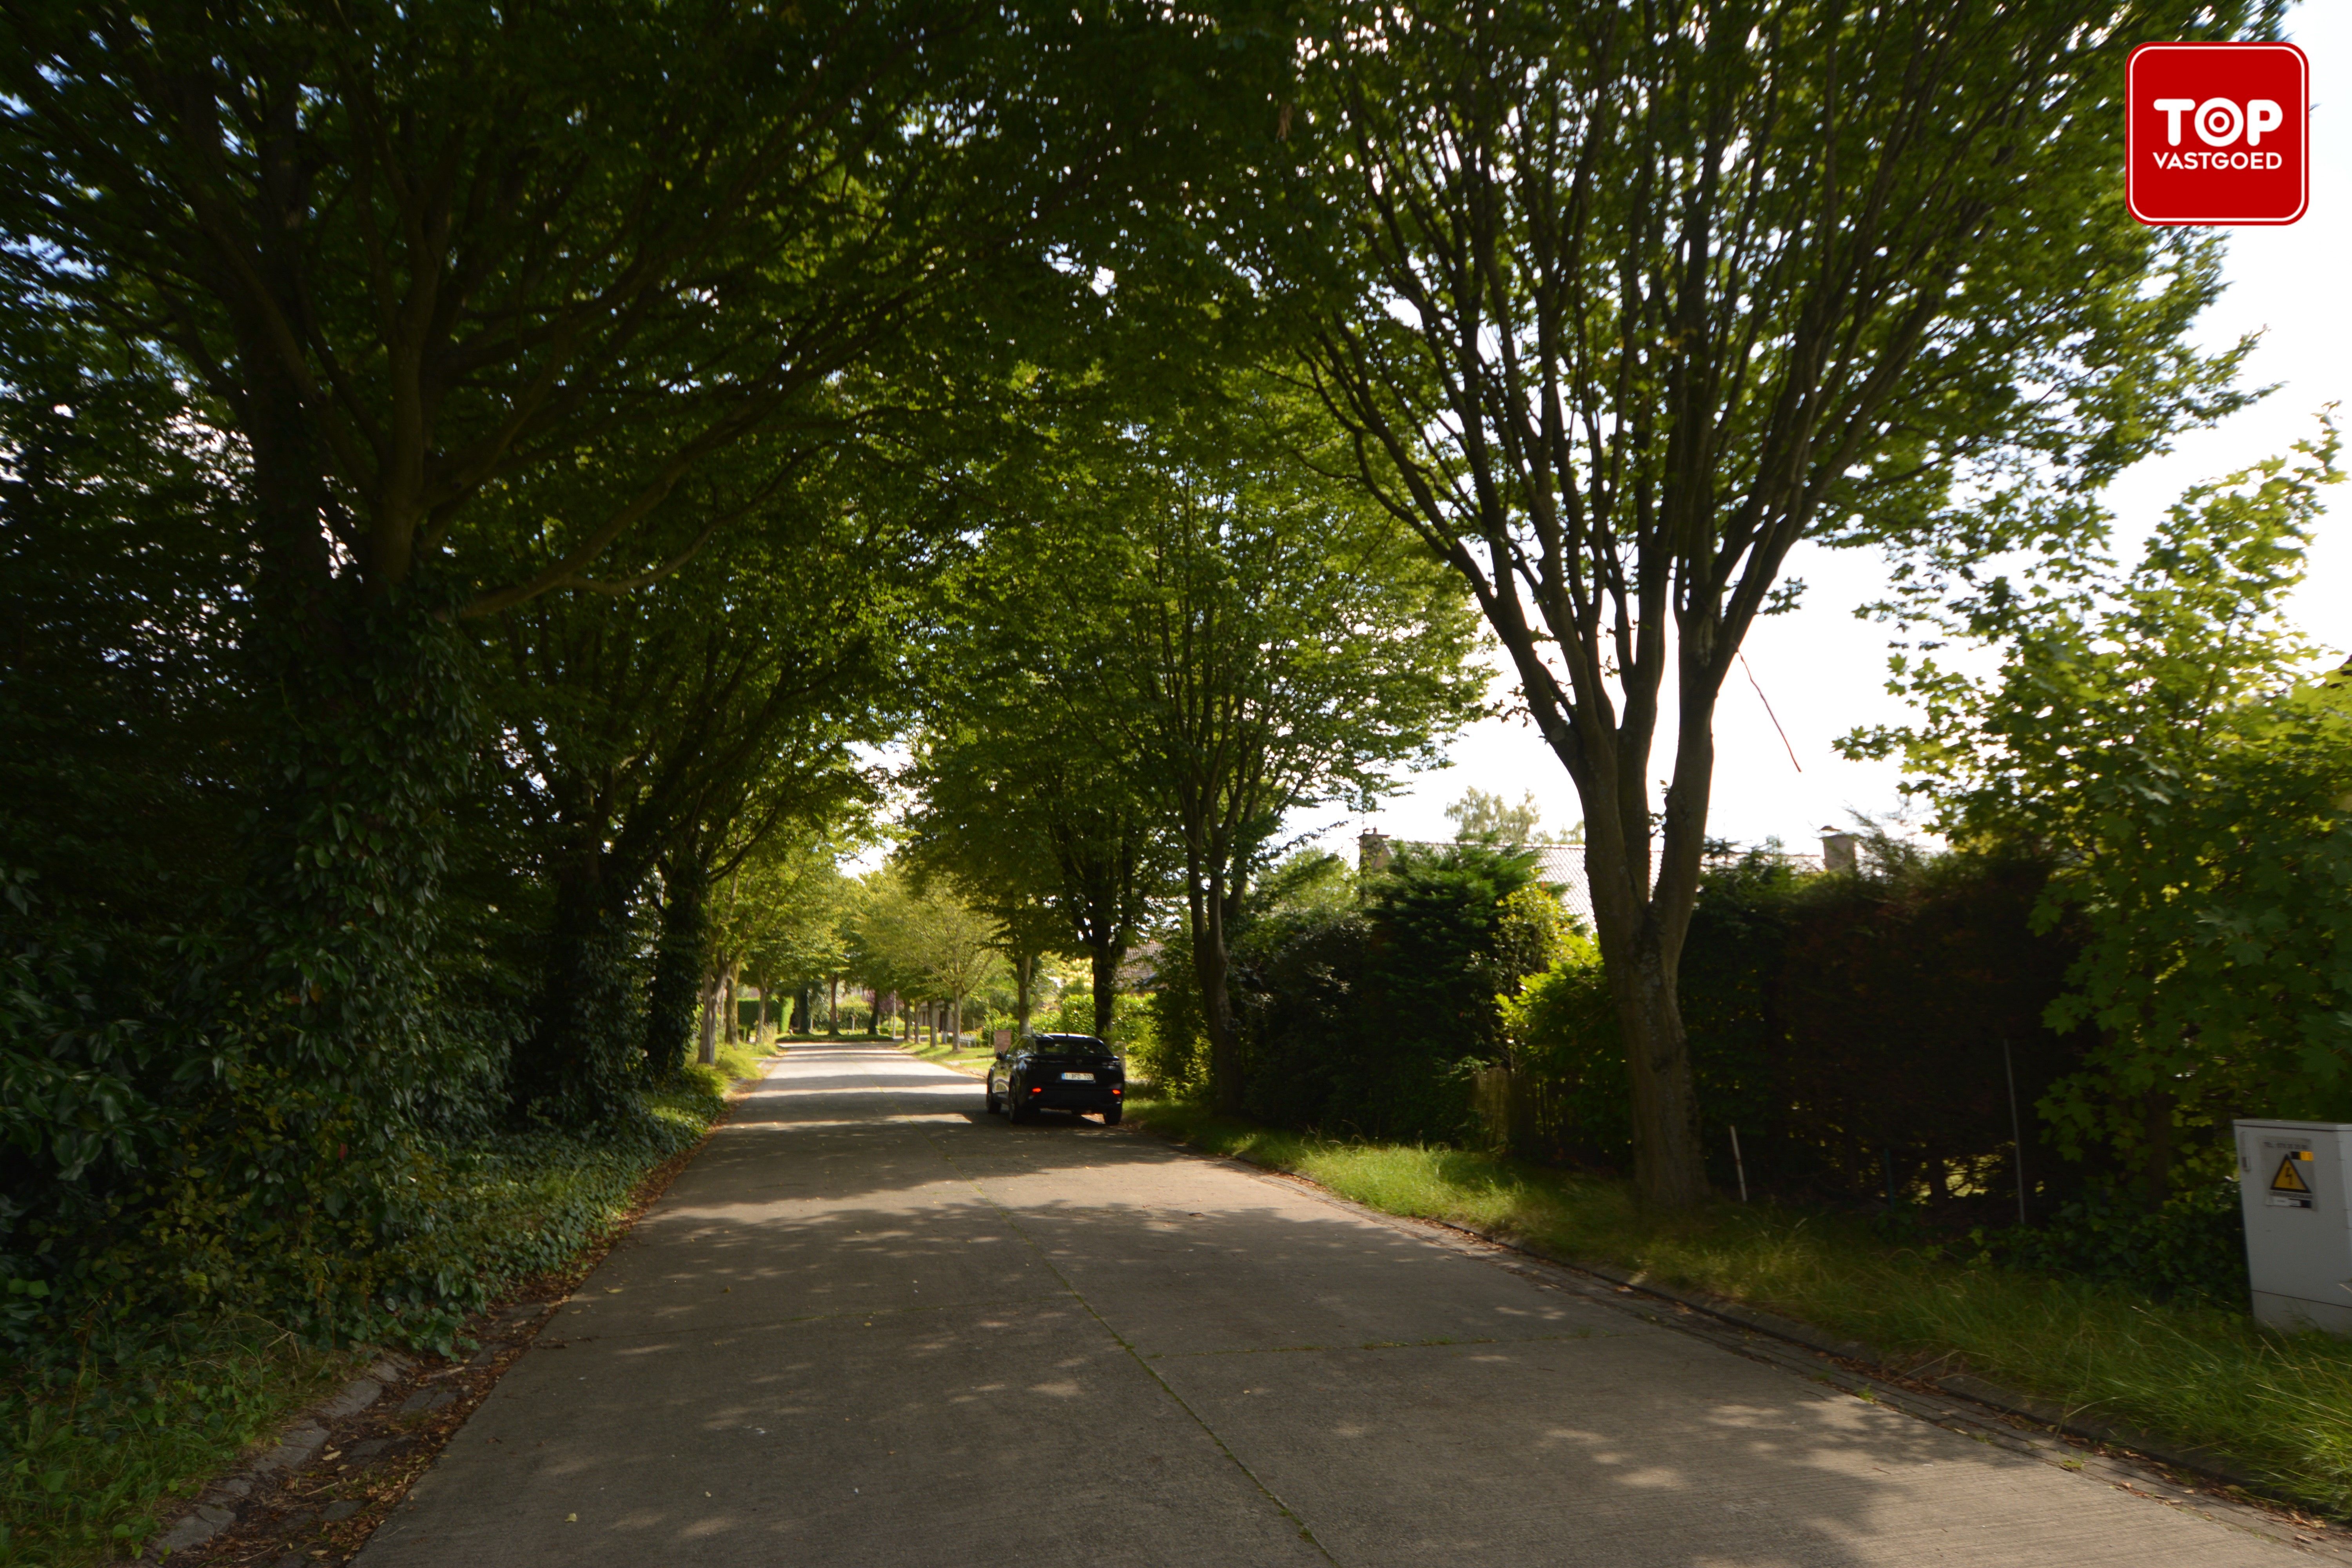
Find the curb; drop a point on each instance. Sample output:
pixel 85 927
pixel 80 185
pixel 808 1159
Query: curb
pixel 2195 1461
pixel 214 1509
pixel 1917 1369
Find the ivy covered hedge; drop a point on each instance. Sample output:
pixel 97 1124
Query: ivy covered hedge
pixel 104 1416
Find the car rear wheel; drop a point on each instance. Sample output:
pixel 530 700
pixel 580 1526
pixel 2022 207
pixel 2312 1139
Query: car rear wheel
pixel 1110 1117
pixel 1015 1112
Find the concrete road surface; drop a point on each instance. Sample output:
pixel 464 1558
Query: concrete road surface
pixel 871 1324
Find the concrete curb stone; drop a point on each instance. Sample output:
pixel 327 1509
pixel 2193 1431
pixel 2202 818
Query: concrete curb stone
pixel 212 1513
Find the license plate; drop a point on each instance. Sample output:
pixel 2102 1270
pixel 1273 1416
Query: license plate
pixel 1078 1077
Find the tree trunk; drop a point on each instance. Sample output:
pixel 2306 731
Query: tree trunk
pixel 674 994
pixel 707 1054
pixel 1107 958
pixel 955 1023
pixel 1024 977
pixel 2156 1134
pixel 832 1004
pixel 1641 921
pixel 574 1065
pixel 728 1017
pixel 1669 1165
pixel 1210 965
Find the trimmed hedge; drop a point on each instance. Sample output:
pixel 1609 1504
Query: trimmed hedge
pixel 1851 1027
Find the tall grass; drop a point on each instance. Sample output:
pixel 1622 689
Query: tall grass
pixel 2279 1405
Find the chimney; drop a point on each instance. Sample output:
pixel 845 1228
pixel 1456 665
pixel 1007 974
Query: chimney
pixel 1372 852
pixel 1838 852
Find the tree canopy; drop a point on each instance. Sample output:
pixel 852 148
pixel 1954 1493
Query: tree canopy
pixel 1627 302
pixel 518 521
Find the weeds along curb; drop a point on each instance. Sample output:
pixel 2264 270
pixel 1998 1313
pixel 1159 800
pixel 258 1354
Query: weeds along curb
pixel 1915 1369
pixel 272 1495
pixel 2195 1461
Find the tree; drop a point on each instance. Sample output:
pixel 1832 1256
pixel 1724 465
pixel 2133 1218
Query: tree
pixel 668 731
pixel 2158 734
pixel 1029 799
pixel 418 258
pixel 1628 302
pixel 1275 646
pixel 797 914
pixel 1479 817
pixel 932 941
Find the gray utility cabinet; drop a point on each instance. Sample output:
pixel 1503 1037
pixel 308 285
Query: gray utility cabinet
pixel 2295 1180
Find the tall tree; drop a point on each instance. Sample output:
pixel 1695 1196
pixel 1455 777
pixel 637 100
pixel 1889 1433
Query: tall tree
pixel 420 255
pixel 1629 300
pixel 1275 645
pixel 1480 817
pixel 939 946
pixel 1030 806
pixel 670 729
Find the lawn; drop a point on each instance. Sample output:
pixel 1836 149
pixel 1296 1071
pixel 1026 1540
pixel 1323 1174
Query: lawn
pixel 2199 1374
pixel 972 1058
pixel 139 1414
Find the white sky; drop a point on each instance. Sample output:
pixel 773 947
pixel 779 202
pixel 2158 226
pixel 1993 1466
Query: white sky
pixel 1826 671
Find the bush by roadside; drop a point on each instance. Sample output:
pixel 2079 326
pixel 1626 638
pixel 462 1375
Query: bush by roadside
pixel 2189 1369
pixel 105 1419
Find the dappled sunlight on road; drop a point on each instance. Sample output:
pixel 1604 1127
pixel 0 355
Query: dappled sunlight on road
pixel 860 1329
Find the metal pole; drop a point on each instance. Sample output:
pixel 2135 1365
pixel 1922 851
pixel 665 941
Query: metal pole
pixel 1738 1164
pixel 2016 1128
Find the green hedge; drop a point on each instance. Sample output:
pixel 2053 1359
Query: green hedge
pixel 1850 1027
pixel 1370 1020
pixel 105 1414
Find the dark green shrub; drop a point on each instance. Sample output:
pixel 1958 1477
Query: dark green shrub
pixel 1369 1019
pixel 2194 1245
pixel 1851 1027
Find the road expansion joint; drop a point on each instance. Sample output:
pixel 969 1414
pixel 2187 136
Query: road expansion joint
pixel 1438 1344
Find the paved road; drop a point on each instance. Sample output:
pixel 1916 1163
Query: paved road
pixel 871 1324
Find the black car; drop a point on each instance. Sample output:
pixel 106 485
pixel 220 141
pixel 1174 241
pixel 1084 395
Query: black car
pixel 1057 1072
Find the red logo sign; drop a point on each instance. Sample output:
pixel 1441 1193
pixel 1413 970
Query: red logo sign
pixel 2218 134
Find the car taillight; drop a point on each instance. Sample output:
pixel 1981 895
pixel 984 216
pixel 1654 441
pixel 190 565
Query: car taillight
pixel 1037 1091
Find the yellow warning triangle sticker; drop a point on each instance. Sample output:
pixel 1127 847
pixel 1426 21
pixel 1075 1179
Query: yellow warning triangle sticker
pixel 2289 1179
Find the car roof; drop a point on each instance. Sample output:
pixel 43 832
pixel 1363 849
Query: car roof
pixel 1067 1040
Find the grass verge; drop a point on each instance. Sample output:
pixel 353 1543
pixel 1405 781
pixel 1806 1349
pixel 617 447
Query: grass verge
pixel 2198 1375
pixel 95 1447
pixel 973 1059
